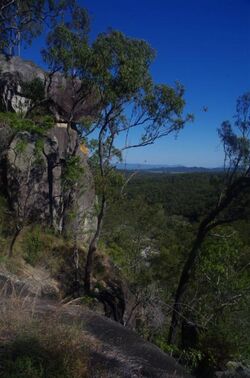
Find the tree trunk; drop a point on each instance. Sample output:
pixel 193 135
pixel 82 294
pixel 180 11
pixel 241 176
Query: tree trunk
pixel 93 247
pixel 89 265
pixel 13 241
pixel 182 287
pixel 51 200
pixel 76 285
pixel 209 223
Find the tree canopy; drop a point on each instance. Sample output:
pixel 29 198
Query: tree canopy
pixel 23 20
pixel 116 70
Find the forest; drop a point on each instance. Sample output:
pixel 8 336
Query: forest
pixel 164 256
pixel 163 213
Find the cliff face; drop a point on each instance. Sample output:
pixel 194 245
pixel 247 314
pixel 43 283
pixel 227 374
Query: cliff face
pixel 34 168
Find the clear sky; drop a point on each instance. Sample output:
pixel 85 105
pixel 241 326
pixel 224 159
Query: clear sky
pixel 204 44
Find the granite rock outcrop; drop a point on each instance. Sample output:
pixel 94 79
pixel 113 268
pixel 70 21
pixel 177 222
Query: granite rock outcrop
pixel 33 166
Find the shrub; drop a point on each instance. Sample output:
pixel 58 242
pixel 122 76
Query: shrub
pixel 33 246
pixel 217 348
pixel 18 124
pixel 72 171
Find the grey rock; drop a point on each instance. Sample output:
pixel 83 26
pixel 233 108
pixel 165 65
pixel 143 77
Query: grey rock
pixel 65 98
pixel 235 370
pixel 26 178
pixel 11 93
pixel 6 135
pixel 32 177
pixel 35 182
pixel 116 351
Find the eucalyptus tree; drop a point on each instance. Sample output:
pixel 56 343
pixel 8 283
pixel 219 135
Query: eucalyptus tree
pixel 132 109
pixel 129 100
pixel 24 20
pixel 232 203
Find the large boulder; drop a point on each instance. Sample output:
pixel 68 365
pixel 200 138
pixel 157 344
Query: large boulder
pixel 234 370
pixel 65 98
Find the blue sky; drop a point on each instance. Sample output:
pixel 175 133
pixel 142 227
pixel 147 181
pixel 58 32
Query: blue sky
pixel 204 44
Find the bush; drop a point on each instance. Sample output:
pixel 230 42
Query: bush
pixel 18 124
pixel 218 348
pixel 33 246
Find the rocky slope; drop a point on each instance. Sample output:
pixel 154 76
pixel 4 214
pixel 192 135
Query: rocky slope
pixel 114 350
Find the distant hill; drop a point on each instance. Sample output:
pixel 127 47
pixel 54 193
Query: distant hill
pixel 162 168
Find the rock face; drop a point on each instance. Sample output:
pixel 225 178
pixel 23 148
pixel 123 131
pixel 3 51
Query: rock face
pixel 64 98
pixel 34 168
pixel 37 187
pixel 13 72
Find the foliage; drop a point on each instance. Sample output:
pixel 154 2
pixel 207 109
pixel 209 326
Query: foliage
pixel 72 171
pixel 33 246
pixel 34 90
pixel 117 69
pixel 221 285
pixel 235 138
pixel 39 145
pixel 67 50
pixel 21 146
pixel 230 206
pixel 187 195
pixel 148 217
pixel 111 183
pixel 217 348
pixel 22 21
pixel 19 124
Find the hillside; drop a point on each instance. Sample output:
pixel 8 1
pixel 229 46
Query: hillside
pixel 161 168
pixel 39 188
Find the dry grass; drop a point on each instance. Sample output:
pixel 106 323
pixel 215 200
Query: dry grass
pixel 39 347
